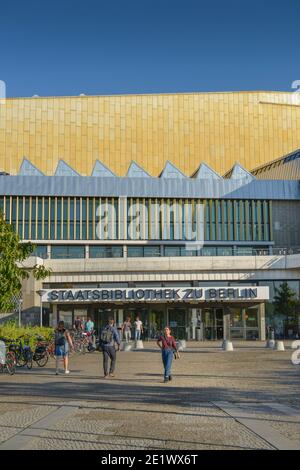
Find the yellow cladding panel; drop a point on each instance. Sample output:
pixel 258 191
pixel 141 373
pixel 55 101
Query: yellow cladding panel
pixel 252 128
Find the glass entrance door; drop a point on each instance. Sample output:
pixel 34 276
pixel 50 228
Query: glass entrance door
pixel 219 323
pixel 213 323
pixel 100 317
pixel 177 322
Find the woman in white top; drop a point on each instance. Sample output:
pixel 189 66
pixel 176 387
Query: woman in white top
pixel 127 329
pixel 138 328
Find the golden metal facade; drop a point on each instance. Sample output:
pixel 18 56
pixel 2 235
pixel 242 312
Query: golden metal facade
pixel 218 128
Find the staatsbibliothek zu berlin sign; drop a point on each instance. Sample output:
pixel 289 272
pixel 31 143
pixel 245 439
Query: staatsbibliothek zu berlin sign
pixel 236 293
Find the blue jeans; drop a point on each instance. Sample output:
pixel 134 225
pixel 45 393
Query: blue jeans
pixel 137 335
pixel 167 358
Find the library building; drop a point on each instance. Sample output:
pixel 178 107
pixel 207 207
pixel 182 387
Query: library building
pixel 181 209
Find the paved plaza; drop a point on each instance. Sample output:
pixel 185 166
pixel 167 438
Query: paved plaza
pixel 245 399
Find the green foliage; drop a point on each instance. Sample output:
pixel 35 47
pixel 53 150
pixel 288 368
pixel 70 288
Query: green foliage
pixel 284 300
pixel 12 253
pixel 11 331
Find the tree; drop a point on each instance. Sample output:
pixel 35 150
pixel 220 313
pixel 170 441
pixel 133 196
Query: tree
pixel 12 254
pixel 284 300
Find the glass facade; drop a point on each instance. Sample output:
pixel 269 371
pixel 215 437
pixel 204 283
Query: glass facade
pixel 91 218
pixel 67 251
pixel 108 251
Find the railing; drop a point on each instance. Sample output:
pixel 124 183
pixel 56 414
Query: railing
pixel 235 251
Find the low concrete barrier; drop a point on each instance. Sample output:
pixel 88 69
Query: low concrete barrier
pixel 127 347
pixel 270 344
pixel 181 344
pixel 279 346
pixel 139 344
pixel 227 345
pixel 295 344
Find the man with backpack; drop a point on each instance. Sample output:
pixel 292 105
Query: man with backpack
pixel 109 336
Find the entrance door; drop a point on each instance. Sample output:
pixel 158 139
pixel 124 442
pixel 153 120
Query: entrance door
pixel 101 316
pixel 219 323
pixel 213 323
pixel 177 322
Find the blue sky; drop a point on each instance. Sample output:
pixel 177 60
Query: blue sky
pixel 148 46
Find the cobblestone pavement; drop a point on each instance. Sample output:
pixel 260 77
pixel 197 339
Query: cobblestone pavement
pixel 245 399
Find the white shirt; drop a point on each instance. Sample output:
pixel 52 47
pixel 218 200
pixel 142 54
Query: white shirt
pixel 138 325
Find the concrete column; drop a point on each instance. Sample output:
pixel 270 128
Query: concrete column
pixel 48 251
pixel 161 250
pixel 87 251
pixel 262 321
pixel 226 324
pixel 120 316
pixel 54 318
pixel 124 251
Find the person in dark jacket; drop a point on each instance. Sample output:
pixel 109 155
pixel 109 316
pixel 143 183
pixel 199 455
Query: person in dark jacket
pixel 167 344
pixel 109 337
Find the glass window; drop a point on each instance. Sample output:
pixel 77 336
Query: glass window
pixel 41 251
pixel 252 334
pixel 150 251
pixel 236 318
pixel 244 251
pixel 67 251
pixel 224 251
pixel 135 251
pixel 172 251
pixel 188 252
pixel 103 251
pixel 251 317
pixel 7 209
pixel 209 251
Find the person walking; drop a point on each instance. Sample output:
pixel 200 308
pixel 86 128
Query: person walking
pixel 167 344
pixel 63 342
pixel 108 338
pixel 89 330
pixel 78 324
pixel 127 329
pixel 138 328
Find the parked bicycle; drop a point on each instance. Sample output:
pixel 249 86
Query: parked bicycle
pixel 43 351
pixel 22 352
pixel 81 342
pixel 7 360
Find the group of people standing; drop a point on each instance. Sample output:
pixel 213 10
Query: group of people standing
pixel 109 343
pixel 127 327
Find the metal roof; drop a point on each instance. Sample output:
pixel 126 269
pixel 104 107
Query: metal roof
pixel 149 187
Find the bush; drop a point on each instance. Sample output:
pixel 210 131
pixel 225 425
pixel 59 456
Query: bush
pixel 10 331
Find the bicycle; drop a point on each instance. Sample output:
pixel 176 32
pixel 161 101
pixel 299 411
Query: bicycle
pixel 41 354
pixel 7 360
pixel 22 352
pixel 81 343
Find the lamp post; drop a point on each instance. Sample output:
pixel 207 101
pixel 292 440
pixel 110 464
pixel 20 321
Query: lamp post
pixel 41 292
pixel 20 312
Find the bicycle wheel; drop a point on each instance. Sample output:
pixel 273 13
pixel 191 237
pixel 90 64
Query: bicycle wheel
pixel 10 363
pixel 42 359
pixel 29 361
pixel 20 359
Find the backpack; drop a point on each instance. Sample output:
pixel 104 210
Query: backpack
pixel 60 338
pixel 107 335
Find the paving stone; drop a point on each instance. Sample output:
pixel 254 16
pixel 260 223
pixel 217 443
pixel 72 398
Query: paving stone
pixel 134 410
